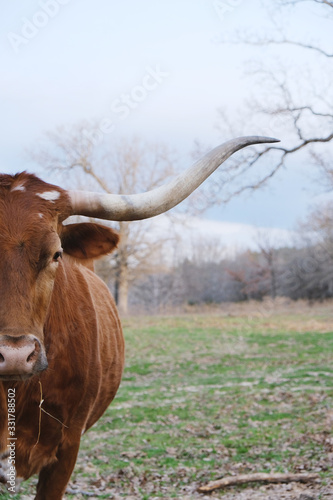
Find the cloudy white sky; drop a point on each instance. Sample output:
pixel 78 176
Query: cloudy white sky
pixel 63 61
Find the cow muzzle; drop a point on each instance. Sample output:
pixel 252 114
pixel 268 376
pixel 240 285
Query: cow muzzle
pixel 21 357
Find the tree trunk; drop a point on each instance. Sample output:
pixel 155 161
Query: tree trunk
pixel 121 284
pixel 122 291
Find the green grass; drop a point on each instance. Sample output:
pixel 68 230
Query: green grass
pixel 205 396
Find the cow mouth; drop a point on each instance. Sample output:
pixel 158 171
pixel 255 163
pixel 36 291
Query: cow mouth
pixel 22 377
pixel 16 377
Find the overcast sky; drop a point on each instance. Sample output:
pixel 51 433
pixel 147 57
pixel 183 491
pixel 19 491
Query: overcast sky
pixel 150 68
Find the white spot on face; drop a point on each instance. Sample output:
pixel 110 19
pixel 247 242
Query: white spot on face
pixel 19 187
pixel 40 216
pixel 49 195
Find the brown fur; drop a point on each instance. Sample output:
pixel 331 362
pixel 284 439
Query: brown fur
pixel 72 313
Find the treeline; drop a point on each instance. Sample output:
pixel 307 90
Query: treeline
pixel 296 273
pixel 207 276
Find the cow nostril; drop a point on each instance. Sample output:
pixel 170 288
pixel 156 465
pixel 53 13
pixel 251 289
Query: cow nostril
pixel 2 359
pixel 34 352
pixel 31 356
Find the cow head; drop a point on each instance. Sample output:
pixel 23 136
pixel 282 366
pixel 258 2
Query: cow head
pixel 32 240
pixel 32 243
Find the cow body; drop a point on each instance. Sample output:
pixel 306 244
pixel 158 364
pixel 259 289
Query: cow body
pixel 61 323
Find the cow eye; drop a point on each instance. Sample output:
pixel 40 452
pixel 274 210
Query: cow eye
pixel 57 256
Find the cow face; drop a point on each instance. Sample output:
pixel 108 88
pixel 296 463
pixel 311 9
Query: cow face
pixel 32 244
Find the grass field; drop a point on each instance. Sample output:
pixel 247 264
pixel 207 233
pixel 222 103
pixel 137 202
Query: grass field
pixel 205 396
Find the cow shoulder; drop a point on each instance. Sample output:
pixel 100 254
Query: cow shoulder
pixel 88 240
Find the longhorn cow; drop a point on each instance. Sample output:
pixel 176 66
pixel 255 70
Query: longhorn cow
pixel 61 342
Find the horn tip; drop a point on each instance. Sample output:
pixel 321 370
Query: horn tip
pixel 262 139
pixel 272 139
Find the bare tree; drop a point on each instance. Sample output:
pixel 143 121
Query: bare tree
pixel 270 263
pixel 295 100
pixel 120 167
pixel 308 269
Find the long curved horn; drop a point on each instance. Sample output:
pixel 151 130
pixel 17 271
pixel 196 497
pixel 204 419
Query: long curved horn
pixel 144 205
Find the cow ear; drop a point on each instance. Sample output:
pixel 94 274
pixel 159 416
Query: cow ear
pixel 87 240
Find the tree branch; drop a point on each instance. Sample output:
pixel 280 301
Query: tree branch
pixel 320 2
pixel 261 477
pixel 291 42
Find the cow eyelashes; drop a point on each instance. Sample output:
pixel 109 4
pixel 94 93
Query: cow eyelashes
pixel 57 256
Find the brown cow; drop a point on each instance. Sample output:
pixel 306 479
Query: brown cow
pixel 61 343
